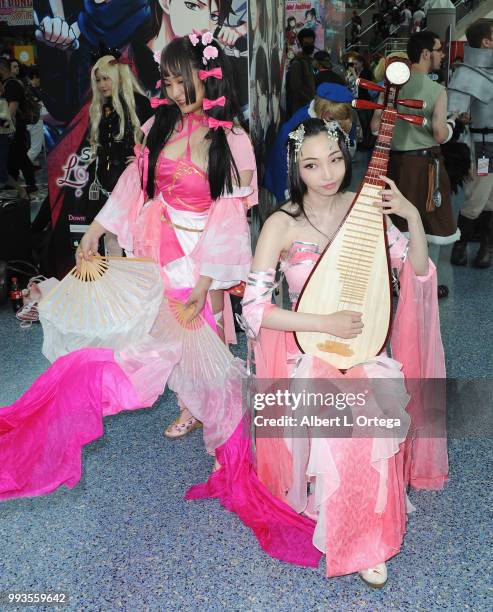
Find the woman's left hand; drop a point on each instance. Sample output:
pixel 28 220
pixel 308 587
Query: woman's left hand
pixel 394 203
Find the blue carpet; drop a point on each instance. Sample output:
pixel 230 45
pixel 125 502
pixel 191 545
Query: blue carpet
pixel 125 539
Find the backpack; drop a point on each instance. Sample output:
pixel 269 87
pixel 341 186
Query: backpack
pixel 32 106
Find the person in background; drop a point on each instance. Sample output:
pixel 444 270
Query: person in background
pixel 332 102
pixel 16 99
pixel 301 77
pixel 6 131
pixel 416 161
pixel 357 67
pixel 117 111
pixel 406 17
pixel 323 65
pixel 471 92
pixel 36 129
pixel 15 69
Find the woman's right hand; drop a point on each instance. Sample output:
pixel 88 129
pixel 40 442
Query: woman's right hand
pixel 88 246
pixel 343 324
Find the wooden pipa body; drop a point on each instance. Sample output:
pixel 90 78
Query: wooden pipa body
pixel 353 272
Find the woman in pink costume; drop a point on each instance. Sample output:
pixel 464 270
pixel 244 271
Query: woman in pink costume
pixel 193 155
pixel 353 489
pixel 181 202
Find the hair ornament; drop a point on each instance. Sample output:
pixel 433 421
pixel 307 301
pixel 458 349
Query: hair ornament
pixel 156 102
pixel 214 124
pixel 208 104
pixel 298 135
pixel 207 38
pixel 157 57
pixel 332 128
pixel 102 51
pixel 210 52
pixel 215 73
pixel 194 39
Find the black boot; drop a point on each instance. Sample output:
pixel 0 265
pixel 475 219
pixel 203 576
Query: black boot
pixel 483 257
pixel 459 250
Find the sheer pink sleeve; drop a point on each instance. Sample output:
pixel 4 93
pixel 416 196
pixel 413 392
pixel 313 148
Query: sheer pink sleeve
pixel 224 252
pixel 257 300
pixel 242 151
pixel 398 247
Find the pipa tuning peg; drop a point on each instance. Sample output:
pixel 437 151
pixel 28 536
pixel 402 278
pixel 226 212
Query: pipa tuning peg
pixel 412 103
pixel 369 85
pixel 366 104
pixel 416 119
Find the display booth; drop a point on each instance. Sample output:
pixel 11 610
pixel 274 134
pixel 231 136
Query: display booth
pixel 68 30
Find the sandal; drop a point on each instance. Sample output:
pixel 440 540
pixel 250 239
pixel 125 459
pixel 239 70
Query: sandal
pixel 375 577
pixel 179 429
pixel 28 314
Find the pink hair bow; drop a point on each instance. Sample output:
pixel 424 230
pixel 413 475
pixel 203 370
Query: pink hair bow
pixel 216 73
pixel 208 104
pixel 216 123
pixel 155 102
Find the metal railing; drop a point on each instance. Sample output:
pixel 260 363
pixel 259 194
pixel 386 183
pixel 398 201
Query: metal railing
pixel 369 29
pixel 370 6
pixel 464 7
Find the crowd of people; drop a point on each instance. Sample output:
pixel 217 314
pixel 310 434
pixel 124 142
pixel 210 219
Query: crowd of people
pixel 392 18
pixel 437 150
pixel 180 194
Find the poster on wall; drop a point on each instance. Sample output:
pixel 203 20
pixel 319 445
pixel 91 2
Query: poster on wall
pixel 300 15
pixel 67 32
pixel 16 12
pixel 266 73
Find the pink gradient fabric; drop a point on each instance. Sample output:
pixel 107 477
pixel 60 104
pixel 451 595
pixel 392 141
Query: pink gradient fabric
pixel 280 531
pixel 42 434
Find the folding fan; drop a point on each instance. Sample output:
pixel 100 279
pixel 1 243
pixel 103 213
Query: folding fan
pixel 112 302
pixel 204 357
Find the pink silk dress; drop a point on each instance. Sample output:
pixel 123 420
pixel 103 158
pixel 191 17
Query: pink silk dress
pixel 358 486
pixel 42 433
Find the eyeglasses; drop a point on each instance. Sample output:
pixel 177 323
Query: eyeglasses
pixel 439 50
pixel 350 64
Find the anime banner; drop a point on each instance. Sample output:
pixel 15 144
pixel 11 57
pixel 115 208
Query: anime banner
pixel 266 73
pixel 67 32
pixel 300 15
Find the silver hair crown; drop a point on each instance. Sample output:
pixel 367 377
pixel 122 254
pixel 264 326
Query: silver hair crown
pixel 298 135
pixel 332 128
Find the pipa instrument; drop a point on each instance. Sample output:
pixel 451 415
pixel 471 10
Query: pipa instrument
pixel 353 272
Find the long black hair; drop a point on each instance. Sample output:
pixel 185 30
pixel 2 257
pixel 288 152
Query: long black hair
pixel 180 57
pixel 296 186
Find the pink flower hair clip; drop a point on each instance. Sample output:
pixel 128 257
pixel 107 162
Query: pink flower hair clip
pixel 157 57
pixel 210 52
pixel 194 39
